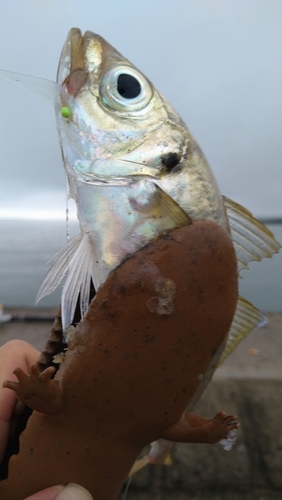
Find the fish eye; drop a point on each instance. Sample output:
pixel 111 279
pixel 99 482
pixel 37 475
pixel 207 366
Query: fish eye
pixel 123 88
pixel 128 86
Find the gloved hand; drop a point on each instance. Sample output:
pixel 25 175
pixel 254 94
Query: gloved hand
pixel 19 353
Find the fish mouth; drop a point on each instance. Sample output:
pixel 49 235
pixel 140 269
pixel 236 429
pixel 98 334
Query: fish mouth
pixel 81 55
pixel 72 70
pixel 76 56
pixel 77 43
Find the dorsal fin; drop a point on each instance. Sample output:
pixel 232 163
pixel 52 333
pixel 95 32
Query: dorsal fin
pixel 246 318
pixel 252 239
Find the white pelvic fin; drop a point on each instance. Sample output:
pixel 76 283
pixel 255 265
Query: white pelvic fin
pixel 46 89
pixel 77 261
pixel 246 318
pixel 81 270
pixel 252 240
pixel 59 269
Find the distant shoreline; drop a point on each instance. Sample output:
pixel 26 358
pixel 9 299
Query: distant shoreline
pixel 263 220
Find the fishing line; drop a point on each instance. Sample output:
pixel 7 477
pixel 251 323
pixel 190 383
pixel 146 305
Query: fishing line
pixel 67 210
pixel 67 223
pixel 127 487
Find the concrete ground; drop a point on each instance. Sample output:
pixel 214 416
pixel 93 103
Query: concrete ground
pixel 249 384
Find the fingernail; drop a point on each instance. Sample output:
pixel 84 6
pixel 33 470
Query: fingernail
pixel 74 492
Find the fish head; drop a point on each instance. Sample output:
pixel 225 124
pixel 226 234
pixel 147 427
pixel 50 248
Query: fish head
pixel 118 126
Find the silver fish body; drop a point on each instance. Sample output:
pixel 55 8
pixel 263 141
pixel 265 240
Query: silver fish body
pixel 134 171
pixel 133 167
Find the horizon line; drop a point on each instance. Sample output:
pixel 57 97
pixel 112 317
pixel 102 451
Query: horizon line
pixel 51 215
pixel 58 217
pixel 41 218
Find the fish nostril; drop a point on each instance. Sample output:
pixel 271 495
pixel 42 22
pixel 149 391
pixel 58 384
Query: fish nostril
pixel 170 160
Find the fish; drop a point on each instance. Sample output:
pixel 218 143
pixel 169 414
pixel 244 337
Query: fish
pixel 135 172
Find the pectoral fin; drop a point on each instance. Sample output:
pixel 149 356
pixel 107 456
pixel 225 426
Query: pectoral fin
pixel 252 240
pixel 170 211
pixel 246 318
pixel 156 212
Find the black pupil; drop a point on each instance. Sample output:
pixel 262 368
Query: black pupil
pixel 128 86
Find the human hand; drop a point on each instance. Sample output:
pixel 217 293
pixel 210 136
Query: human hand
pixel 18 353
pixel 70 492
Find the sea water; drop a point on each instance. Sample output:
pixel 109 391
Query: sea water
pixel 27 245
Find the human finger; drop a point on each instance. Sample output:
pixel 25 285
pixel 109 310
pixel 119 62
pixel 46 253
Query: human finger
pixel 12 354
pixel 70 492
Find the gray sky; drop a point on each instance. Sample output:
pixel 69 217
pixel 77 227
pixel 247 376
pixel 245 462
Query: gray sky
pixel 218 62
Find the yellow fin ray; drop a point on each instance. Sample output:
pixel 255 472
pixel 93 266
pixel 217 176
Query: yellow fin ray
pixel 159 453
pixel 246 318
pixel 138 465
pixel 168 209
pixel 252 239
